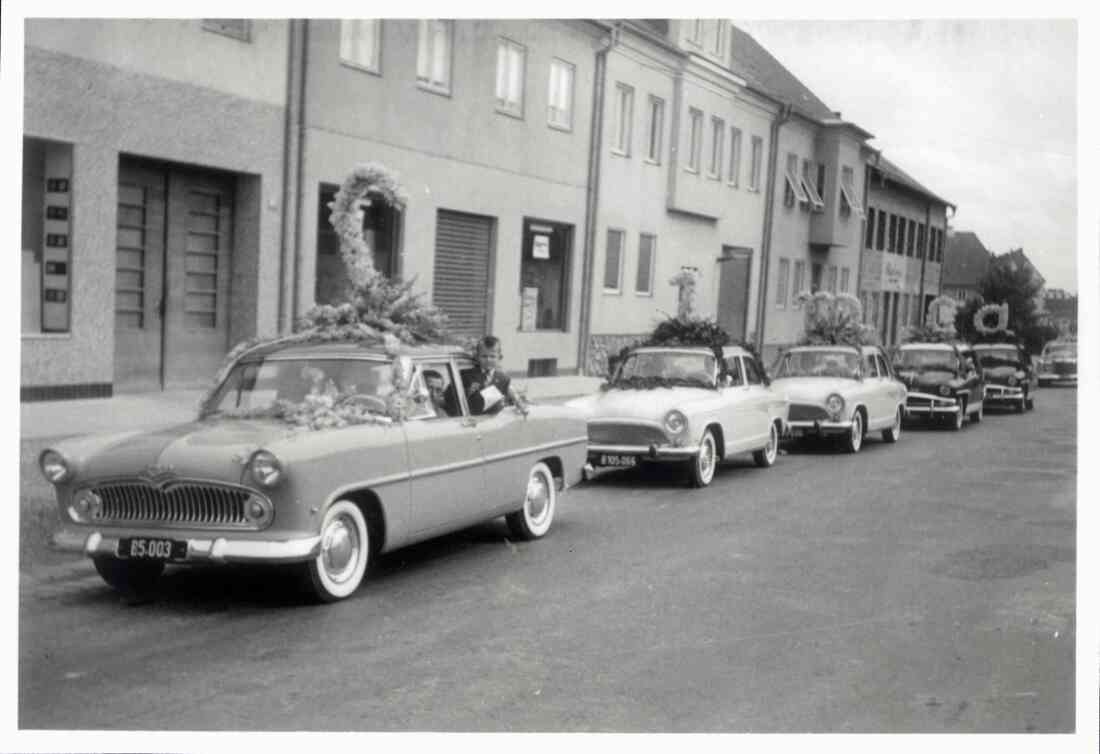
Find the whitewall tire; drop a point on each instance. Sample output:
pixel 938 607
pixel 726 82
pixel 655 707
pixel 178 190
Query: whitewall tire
pixel 705 461
pixel 766 456
pixel 854 441
pixel 345 551
pixel 894 432
pixel 540 500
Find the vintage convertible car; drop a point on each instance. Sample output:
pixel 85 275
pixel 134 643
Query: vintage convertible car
pixel 684 404
pixel 241 484
pixel 840 390
pixel 1058 362
pixel 1009 376
pixel 943 382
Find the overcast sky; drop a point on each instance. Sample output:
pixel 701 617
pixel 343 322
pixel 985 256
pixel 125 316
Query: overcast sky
pixel 983 113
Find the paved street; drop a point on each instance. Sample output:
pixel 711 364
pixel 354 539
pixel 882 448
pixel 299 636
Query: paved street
pixel 921 587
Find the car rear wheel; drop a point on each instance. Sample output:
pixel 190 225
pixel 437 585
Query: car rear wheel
pixel 766 456
pixel 345 551
pixel 705 461
pixel 854 441
pixel 131 577
pixel 893 433
pixel 533 520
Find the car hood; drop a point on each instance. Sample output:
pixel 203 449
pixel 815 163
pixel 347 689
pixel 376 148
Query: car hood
pixel 813 390
pixel 928 381
pixel 650 405
pixel 210 449
pixel 1000 374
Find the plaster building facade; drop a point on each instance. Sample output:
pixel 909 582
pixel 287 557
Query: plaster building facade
pixel 904 246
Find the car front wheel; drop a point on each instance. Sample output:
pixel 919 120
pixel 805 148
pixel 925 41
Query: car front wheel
pixel 894 432
pixel 131 577
pixel 766 456
pixel 705 461
pixel 539 501
pixel 345 551
pixel 854 441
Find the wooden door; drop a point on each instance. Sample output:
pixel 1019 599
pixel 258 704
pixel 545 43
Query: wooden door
pixel 733 291
pixel 139 277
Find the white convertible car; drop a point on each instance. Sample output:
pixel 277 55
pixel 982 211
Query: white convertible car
pixel 841 391
pixel 684 404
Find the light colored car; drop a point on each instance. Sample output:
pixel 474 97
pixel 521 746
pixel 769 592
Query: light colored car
pixel 944 382
pixel 241 485
pixel 840 391
pixel 684 404
pixel 1010 378
pixel 1058 363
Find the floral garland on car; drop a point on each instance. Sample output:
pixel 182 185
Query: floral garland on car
pixel 830 320
pixel 379 312
pixel 981 319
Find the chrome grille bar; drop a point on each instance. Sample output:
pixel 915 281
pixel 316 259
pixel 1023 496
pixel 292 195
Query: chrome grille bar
pixel 183 504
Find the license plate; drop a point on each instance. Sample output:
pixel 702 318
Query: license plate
pixel 145 548
pixel 625 461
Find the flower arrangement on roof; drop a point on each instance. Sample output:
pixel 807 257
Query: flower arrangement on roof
pixel 991 320
pixel 378 312
pixel 829 320
pixel 939 323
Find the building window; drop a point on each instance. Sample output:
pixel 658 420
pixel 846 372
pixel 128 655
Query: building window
pixel 845 278
pixel 757 161
pixel 361 43
pixel 511 69
pixel 792 189
pixel 893 243
pixel 613 261
pixel 821 180
pixel 815 276
pixel 47 239
pixel 832 278
pixel 559 111
pixel 624 118
pixel 911 239
pixel 237 28
pixel 849 200
pixel 809 188
pixel 433 54
pixel 714 34
pixel 647 253
pixel 869 241
pixel 717 147
pixel 544 274
pixel 695 139
pixel 781 283
pixel 881 236
pixel 655 137
pixel 696 37
pixel 735 157
pixel 799 284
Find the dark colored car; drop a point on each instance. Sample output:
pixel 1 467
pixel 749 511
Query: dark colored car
pixel 943 380
pixel 1010 379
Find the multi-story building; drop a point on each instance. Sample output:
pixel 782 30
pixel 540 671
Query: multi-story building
pixel 903 256
pixel 966 262
pixel 1061 308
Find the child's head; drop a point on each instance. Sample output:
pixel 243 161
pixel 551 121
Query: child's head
pixel 488 352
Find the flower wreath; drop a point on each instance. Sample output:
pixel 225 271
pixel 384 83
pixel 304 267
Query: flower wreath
pixel 982 316
pixel 829 319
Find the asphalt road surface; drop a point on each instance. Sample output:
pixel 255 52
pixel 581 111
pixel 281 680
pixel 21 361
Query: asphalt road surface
pixel 926 586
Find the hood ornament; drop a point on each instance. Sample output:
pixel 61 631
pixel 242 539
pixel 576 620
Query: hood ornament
pixel 157 475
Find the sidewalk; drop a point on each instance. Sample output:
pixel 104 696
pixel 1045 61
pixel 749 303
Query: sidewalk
pixel 162 409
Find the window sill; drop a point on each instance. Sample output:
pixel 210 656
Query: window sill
pixel 713 177
pixel 361 67
pixel 644 294
pixel 559 127
pixel 732 185
pixel 612 292
pixel 620 153
pixel 442 91
pixel 46 335
pixel 517 114
pixel 693 171
pixel 650 161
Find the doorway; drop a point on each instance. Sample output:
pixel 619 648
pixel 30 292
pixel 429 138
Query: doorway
pixel 734 267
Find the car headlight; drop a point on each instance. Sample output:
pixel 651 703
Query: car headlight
pixel 945 390
pixel 834 404
pixel 86 505
pixel 675 422
pixel 266 468
pixel 54 466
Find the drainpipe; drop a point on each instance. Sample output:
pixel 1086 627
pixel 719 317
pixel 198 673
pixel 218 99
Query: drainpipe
pixel 866 221
pixel 595 149
pixel 292 165
pixel 924 251
pixel 769 215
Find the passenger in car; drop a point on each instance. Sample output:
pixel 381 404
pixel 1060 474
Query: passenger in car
pixel 485 382
pixel 442 400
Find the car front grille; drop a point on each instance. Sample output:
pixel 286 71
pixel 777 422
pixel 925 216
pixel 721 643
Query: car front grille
pixel 1065 367
pixel 806 412
pixel 184 505
pixel 624 433
pixel 918 401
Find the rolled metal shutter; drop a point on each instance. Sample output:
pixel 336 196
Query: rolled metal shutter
pixel 460 281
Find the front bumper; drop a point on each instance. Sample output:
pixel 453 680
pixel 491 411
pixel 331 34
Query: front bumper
pixel 1003 394
pixel 652 452
pixel 926 404
pixel 1057 377
pixel 199 550
pixel 818 427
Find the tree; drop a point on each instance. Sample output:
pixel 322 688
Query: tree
pixel 1009 282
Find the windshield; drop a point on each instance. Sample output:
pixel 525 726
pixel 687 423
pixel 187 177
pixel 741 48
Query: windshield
pixel 998 357
pixel 1062 349
pixel 673 367
pixel 925 360
pixel 257 386
pixel 818 364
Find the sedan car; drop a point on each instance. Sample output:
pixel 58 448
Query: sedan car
pixel 1058 363
pixel 943 381
pixel 242 485
pixel 1010 379
pixel 840 391
pixel 684 405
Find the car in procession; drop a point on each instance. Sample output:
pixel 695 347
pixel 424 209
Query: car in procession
pixel 1010 378
pixel 684 405
pixel 943 381
pixel 840 391
pixel 241 485
pixel 1058 363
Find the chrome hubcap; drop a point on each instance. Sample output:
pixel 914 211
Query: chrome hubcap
pixel 340 549
pixel 706 458
pixel 773 443
pixel 537 503
pixel 857 431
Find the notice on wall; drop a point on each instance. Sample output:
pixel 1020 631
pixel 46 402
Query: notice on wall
pixel 529 309
pixel 540 247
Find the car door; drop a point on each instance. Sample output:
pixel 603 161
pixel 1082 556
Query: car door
pixel 871 389
pixel 892 388
pixel 445 460
pixel 759 403
pixel 738 409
